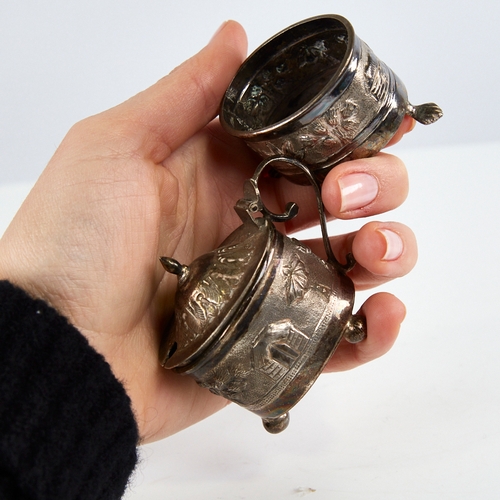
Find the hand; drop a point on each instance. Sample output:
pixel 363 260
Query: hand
pixel 157 176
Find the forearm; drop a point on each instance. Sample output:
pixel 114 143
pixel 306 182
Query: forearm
pixel 66 425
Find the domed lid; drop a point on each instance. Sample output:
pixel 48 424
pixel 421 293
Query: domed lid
pixel 212 289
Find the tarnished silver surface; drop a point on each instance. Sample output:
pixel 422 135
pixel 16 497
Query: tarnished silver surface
pixel 317 93
pixel 257 319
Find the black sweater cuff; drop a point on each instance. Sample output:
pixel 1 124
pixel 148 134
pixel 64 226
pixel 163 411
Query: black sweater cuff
pixel 67 429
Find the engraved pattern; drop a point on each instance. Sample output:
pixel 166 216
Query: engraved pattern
pixel 377 78
pixel 227 383
pixel 332 135
pixel 257 103
pixel 273 86
pixel 319 140
pixel 206 301
pixel 231 94
pixel 278 348
pixel 312 54
pixel 296 279
pixel 301 247
pixel 307 351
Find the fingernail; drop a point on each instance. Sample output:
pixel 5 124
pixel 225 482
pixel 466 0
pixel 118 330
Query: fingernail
pixel 394 244
pixel 219 29
pixel 357 190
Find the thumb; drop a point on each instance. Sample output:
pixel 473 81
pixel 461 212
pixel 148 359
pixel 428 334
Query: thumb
pixel 180 104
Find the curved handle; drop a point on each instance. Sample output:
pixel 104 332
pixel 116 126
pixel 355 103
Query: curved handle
pixel 292 208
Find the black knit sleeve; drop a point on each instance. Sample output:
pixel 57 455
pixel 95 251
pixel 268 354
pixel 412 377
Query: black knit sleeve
pixel 67 430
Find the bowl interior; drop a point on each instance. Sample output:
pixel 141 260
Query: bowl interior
pixel 287 75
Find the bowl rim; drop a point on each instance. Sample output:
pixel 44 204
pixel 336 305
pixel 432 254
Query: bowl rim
pixel 309 111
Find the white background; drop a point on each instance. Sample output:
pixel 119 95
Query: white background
pixel 419 423
pixel 63 60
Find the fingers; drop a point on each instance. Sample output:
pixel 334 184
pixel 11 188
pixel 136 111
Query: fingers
pixel 384 314
pixel 407 125
pixel 365 187
pixel 383 251
pixel 161 118
pixel 357 188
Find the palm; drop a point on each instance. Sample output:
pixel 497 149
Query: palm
pixel 181 207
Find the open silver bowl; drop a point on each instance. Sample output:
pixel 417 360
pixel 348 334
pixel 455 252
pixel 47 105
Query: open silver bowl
pixel 316 92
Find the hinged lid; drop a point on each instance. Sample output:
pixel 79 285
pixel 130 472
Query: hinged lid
pixel 213 288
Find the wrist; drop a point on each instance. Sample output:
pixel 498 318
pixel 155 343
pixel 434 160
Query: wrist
pixel 76 411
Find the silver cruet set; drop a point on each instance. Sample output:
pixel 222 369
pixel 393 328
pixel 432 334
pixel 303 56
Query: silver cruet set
pixel 257 319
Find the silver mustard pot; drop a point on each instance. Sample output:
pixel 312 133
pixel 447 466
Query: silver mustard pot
pixel 257 319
